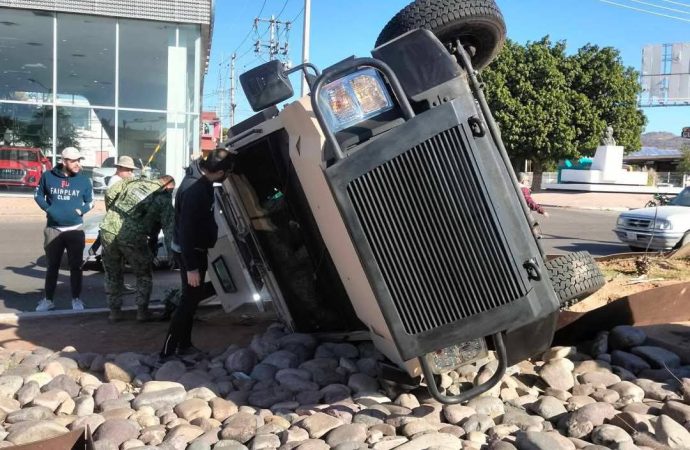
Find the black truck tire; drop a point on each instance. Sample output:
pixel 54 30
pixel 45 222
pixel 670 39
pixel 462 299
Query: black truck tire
pixel 477 23
pixel 574 277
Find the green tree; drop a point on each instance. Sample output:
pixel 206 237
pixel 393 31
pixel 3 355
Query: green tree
pixel 684 164
pixel 551 106
pixel 38 132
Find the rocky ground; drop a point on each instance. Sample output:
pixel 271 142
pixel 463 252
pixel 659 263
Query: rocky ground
pixel 290 391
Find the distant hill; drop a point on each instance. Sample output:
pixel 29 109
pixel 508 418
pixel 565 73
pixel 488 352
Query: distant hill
pixel 663 140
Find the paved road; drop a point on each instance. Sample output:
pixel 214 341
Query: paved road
pixel 573 230
pixel 22 268
pixel 22 272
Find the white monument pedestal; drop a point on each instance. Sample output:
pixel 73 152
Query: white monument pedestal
pixel 606 169
pixel 609 160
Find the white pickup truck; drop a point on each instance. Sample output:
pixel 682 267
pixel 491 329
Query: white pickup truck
pixel 658 227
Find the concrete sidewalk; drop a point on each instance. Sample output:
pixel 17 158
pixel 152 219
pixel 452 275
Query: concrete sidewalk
pixel 609 201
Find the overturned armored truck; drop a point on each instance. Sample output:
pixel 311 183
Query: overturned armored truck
pixel 384 201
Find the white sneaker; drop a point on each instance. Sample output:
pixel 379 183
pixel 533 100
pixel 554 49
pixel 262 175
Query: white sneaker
pixel 45 305
pixel 77 304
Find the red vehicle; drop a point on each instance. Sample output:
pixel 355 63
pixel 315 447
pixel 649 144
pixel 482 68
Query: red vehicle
pixel 22 166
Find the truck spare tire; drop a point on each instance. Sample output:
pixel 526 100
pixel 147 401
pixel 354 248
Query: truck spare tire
pixel 574 277
pixel 477 23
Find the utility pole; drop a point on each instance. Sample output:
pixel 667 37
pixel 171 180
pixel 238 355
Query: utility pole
pixel 274 47
pixel 221 94
pixel 306 30
pixel 233 105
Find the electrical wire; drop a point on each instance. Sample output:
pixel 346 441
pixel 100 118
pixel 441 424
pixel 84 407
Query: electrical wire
pixel 298 14
pixel 676 3
pixel 645 11
pixel 282 9
pixel 252 29
pixel 660 7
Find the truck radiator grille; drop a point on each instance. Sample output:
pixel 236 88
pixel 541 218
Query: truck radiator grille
pixel 430 226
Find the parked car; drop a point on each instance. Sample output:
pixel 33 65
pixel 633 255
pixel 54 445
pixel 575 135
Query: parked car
pixel 93 260
pixel 657 228
pixel 22 166
pixel 101 175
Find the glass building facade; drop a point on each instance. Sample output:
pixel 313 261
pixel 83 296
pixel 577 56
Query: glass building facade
pixel 108 81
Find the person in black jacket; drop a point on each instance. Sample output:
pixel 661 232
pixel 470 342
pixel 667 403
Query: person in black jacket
pixel 194 233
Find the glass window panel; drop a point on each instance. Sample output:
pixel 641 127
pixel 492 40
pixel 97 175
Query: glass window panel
pixel 144 63
pixel 142 136
pixel 26 55
pixel 190 36
pixel 90 130
pixel 26 126
pixel 86 60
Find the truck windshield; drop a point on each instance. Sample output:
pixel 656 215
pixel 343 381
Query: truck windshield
pixel 18 155
pixel 682 199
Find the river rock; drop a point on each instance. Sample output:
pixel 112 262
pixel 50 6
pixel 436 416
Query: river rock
pixel 241 427
pixel 629 361
pixel 34 413
pixel 624 337
pixel 9 385
pixel 170 371
pixel 159 399
pixel 117 431
pixel 610 435
pixel 658 357
pixel 582 421
pixel 193 408
pixel 35 430
pixel 242 360
pixel 550 408
pixel 671 433
pixel 557 373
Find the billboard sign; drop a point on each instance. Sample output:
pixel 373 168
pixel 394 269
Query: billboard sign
pixel 665 75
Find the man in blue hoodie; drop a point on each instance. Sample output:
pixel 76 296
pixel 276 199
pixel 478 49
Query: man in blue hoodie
pixel 65 195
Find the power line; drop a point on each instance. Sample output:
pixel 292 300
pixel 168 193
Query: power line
pixel 676 3
pixel 645 11
pixel 250 31
pixel 282 9
pixel 660 7
pixel 298 14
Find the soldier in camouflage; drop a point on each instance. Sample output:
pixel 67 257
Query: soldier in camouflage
pixel 136 209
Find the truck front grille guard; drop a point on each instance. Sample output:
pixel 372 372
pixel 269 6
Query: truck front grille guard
pixel 408 113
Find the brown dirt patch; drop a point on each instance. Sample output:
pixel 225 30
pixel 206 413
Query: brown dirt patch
pixel 622 279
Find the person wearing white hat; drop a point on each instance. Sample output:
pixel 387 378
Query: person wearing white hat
pixel 65 195
pixel 124 169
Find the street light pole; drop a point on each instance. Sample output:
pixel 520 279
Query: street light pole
pixel 305 42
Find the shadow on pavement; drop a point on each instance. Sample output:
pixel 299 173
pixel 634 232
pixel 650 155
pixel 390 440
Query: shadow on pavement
pixel 213 330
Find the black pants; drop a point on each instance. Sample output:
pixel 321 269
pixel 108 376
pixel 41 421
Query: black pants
pixel 180 331
pixel 56 243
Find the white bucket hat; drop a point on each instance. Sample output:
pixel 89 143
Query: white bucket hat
pixel 125 161
pixel 71 153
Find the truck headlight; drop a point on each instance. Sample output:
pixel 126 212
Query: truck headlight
pixel 449 358
pixel 620 222
pixel 354 98
pixel 662 225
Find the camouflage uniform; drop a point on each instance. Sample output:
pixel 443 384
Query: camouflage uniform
pixel 136 209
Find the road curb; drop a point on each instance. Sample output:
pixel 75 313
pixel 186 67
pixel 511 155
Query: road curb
pixel 589 208
pixel 31 315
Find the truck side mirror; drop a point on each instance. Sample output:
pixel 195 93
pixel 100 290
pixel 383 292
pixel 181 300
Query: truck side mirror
pixel 266 85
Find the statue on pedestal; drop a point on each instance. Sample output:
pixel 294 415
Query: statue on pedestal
pixel 608 137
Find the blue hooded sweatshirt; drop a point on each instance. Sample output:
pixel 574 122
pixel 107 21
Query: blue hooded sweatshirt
pixel 65 199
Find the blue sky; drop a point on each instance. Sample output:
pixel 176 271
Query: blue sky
pixel 340 28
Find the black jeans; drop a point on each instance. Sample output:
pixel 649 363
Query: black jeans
pixel 56 243
pixel 180 331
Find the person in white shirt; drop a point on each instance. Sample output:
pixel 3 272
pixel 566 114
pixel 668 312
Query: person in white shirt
pixel 123 169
